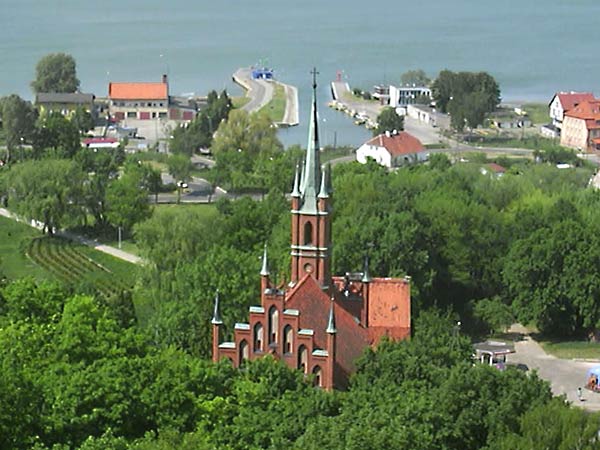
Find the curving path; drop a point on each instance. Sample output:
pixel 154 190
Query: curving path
pixel 564 375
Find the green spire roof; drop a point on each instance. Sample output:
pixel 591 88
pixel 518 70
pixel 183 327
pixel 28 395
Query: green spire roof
pixel 311 173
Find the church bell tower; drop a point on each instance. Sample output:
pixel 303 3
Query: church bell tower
pixel 311 209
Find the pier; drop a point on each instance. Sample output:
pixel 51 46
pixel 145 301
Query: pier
pixel 260 92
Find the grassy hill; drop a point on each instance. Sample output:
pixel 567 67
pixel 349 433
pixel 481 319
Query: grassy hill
pixel 27 252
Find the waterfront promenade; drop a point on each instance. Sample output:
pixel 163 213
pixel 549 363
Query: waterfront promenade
pixel 260 93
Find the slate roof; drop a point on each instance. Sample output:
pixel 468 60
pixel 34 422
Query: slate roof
pixel 138 91
pixel 66 98
pixel 398 144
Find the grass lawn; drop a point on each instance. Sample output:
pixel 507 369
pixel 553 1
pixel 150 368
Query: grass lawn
pixel 239 102
pixel 205 209
pixel 276 107
pixel 14 239
pixel 329 153
pixel 25 252
pixel 538 112
pixel 572 349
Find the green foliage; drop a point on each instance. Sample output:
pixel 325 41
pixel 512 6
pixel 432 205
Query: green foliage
pixel 48 191
pixel 199 132
pixel 54 131
pixel 494 313
pixel 553 426
pixel 18 121
pixel 467 96
pixel 247 152
pixel 127 199
pixel 82 119
pixel 416 77
pixel 388 120
pixel 55 72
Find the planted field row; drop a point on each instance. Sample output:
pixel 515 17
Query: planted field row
pixel 67 262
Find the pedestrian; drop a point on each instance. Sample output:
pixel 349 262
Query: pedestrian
pixel 579 394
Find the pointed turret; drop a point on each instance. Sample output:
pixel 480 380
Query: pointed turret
pixel 296 190
pixel 366 278
pixel 311 172
pixel 264 272
pixel 331 322
pixel 324 192
pixel 216 319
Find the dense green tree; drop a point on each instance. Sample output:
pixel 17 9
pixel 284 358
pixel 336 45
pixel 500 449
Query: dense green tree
pixel 416 77
pixel 82 119
pixel 127 199
pixel 55 131
pixel 388 121
pixel 239 143
pixel 555 426
pixel 18 122
pixel 199 132
pixel 468 96
pixel 48 191
pixel 56 72
pixel 180 167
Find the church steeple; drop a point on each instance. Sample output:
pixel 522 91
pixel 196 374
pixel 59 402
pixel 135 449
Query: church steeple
pixel 311 172
pixel 311 221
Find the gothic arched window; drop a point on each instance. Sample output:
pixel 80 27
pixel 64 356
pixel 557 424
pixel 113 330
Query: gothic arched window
pixel 303 358
pixel 273 324
pixel 244 352
pixel 308 234
pixel 259 337
pixel 318 376
pixel 288 339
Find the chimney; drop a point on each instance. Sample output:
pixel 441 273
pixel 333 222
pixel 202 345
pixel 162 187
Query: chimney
pixel 387 133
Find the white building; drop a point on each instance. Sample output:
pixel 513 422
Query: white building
pixel 392 150
pixel 402 96
pixel 565 101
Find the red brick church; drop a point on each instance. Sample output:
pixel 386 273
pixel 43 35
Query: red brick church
pixel 317 323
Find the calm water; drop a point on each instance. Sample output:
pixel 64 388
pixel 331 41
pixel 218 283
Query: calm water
pixel 532 47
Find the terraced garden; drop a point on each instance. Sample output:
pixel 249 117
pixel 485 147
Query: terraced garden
pixel 71 263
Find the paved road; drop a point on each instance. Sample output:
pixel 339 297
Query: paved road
pixel 259 91
pixel 89 242
pixel 290 115
pixel 564 375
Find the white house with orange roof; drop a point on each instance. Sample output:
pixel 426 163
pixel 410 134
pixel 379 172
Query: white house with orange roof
pixel 565 101
pixel 392 149
pixel 146 101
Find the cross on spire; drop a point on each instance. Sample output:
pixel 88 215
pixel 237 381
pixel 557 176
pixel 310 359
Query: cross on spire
pixel 314 73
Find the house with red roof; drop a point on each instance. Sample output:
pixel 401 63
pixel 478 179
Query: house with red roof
pixel 581 127
pixel 145 101
pixel 563 102
pixel 317 323
pixel 392 149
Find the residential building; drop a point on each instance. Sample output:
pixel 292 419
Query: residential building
pixel 139 100
pixel 581 127
pixel 318 323
pixel 408 95
pixel 65 103
pixel 565 101
pixel 428 115
pixel 392 149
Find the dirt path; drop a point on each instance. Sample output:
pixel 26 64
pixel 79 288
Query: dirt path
pixel 564 375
